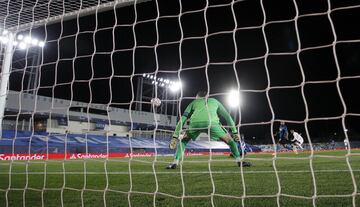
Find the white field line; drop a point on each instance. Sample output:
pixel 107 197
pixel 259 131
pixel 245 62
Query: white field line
pixel 178 172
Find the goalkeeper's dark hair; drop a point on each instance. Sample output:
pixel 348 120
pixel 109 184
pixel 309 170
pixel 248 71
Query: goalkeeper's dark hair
pixel 201 94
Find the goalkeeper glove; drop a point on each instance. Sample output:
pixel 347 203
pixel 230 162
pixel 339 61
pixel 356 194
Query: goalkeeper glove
pixel 173 143
pixel 236 137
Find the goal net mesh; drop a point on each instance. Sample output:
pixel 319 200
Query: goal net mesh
pixel 79 80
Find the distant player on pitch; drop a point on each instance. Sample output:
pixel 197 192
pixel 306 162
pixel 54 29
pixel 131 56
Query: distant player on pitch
pixel 346 143
pixel 283 135
pixel 202 114
pixel 297 140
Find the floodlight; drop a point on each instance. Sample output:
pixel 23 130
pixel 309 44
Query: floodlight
pixel 4 40
pixel 22 46
pixel 27 39
pixel 34 42
pixel 175 86
pixel 234 98
pixel 41 44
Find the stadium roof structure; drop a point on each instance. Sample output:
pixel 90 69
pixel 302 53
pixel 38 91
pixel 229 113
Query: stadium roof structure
pixel 23 104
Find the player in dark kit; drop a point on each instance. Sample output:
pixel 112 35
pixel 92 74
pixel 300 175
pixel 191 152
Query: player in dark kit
pixel 283 135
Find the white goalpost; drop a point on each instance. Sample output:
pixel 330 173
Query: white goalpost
pixel 91 92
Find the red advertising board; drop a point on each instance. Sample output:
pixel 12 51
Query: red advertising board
pixel 70 156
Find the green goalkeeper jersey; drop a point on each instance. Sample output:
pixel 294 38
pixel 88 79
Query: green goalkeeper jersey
pixel 200 112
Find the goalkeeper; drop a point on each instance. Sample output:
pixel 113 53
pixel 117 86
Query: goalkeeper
pixel 203 116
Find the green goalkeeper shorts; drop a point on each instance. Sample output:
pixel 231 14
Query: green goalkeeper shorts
pixel 216 131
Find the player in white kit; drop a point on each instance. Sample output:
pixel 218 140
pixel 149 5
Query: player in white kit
pixel 297 140
pixel 346 143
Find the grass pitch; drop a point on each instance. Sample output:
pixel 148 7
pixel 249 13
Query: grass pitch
pixel 143 182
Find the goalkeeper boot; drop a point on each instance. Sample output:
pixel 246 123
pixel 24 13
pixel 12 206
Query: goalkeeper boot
pixel 244 164
pixel 171 166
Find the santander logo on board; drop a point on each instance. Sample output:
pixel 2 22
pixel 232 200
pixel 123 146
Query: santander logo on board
pixel 22 157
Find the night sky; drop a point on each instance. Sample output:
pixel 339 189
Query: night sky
pixel 95 58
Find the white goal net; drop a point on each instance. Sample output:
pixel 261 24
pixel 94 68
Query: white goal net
pixel 91 92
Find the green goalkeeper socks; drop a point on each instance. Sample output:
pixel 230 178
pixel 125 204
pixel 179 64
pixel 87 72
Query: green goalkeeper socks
pixel 180 149
pixel 234 149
